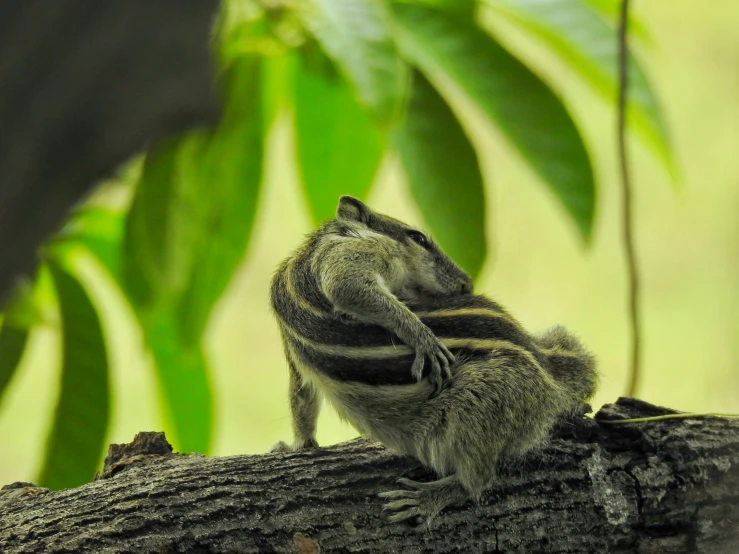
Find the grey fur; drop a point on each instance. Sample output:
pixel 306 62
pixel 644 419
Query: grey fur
pixel 360 303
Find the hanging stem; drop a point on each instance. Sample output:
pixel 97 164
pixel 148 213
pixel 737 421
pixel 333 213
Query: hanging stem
pixel 628 237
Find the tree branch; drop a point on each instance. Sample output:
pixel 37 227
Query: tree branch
pixel 663 486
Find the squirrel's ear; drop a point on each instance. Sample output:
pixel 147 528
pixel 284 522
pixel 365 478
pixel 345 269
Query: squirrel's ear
pixel 352 209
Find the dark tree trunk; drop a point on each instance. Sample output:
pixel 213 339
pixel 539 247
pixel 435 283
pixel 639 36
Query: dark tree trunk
pixel 654 487
pixel 83 86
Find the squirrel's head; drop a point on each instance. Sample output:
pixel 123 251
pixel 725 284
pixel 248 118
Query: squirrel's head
pixel 429 271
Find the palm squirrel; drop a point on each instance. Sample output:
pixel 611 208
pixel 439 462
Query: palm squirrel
pixel 364 303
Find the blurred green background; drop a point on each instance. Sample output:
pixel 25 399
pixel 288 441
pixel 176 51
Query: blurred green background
pixel 687 247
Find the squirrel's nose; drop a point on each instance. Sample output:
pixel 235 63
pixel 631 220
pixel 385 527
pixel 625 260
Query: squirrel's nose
pixel 465 286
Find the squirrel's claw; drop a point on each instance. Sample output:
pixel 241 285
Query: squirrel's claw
pixel 411 505
pixel 400 494
pixel 441 370
pixel 417 485
pixel 440 359
pixel 417 367
pixel 435 377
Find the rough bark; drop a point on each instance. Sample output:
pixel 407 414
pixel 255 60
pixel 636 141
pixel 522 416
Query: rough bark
pixel 83 86
pixel 663 486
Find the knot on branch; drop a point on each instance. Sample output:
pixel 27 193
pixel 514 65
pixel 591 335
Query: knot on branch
pixel 146 447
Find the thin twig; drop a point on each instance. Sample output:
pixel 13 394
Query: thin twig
pixel 628 238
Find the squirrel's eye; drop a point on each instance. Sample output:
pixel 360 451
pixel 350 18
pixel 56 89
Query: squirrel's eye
pixel 419 238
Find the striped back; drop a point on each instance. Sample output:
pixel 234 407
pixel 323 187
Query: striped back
pixel 341 348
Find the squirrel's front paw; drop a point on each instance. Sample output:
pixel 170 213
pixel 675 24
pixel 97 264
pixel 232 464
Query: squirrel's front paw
pixel 431 348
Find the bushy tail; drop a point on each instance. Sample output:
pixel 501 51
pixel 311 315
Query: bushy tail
pixel 570 364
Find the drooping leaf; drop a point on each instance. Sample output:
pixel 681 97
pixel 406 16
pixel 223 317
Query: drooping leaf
pixel 339 145
pixel 277 71
pixel 12 345
pixel 228 176
pixel 444 175
pixel 208 184
pixel 574 31
pixel 23 311
pixel 24 308
pixel 100 230
pixel 159 236
pixel 183 375
pixel 354 33
pixel 75 443
pixel 523 107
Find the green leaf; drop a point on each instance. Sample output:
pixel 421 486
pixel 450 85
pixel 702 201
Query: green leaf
pixel 228 176
pixel 12 345
pixel 575 32
pixel 277 72
pixel 24 308
pixel 610 10
pixel 354 33
pixel 183 376
pixel 100 230
pixel 523 107
pixel 444 175
pixel 466 8
pixel 339 149
pixel 159 235
pixel 197 198
pixel 76 441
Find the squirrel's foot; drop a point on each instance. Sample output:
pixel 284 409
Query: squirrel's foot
pixel 425 501
pixel 282 446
